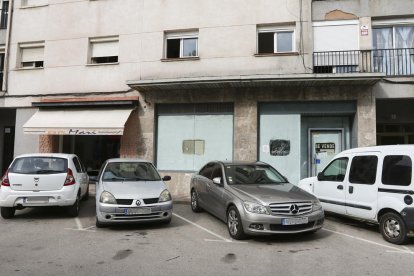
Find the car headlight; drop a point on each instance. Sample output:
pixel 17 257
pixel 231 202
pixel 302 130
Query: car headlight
pixel 255 208
pixel 164 196
pixel 316 205
pixel 107 197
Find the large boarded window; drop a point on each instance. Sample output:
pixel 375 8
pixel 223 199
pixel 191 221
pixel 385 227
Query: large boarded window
pixel 190 135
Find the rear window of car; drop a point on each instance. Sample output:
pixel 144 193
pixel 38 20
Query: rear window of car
pixel 130 171
pixel 397 170
pixel 39 165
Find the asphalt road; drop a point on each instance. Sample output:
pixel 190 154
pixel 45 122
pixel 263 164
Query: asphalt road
pixel 46 242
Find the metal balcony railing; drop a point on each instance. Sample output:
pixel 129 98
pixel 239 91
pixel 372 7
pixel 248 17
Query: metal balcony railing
pixel 392 62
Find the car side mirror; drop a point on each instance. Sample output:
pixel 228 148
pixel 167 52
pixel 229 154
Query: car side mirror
pixel 217 181
pixel 320 176
pixel 166 178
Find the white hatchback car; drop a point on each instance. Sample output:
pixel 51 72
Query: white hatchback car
pixel 48 179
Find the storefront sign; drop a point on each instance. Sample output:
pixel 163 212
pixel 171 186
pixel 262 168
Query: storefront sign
pixel 73 131
pixel 364 30
pixel 279 147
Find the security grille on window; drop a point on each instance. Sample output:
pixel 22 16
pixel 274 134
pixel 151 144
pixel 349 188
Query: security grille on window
pixel 182 45
pixel 32 55
pixel 271 41
pixel 104 50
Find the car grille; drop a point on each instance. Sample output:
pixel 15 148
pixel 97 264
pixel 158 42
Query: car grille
pixel 284 208
pixel 295 227
pixel 150 200
pixel 124 201
pixel 129 201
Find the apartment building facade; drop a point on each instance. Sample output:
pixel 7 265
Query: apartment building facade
pixel 180 83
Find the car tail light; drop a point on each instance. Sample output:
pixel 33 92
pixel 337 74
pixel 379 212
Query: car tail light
pixel 70 179
pixel 5 180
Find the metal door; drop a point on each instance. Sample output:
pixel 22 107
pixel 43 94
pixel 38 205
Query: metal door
pixel 324 144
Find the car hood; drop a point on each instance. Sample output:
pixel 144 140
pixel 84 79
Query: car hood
pixel 266 194
pixel 135 189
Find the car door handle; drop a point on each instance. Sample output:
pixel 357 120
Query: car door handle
pixel 351 189
pixel 340 187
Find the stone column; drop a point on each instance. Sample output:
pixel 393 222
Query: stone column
pixel 48 143
pixel 129 140
pixel 146 132
pixel 366 119
pixel 245 130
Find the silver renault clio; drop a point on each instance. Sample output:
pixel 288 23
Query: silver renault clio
pixel 131 191
pixel 254 198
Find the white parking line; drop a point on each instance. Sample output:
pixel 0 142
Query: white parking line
pixel 78 223
pixel 223 239
pixel 80 227
pixel 394 249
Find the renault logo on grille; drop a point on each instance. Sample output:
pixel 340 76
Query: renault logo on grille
pixel 138 203
pixel 294 209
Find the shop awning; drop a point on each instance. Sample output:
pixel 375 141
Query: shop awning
pixel 78 122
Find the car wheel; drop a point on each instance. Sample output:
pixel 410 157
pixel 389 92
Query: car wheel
pixel 99 224
pixel 194 202
pixel 7 212
pixel 73 210
pixel 234 224
pixel 393 228
pixel 86 196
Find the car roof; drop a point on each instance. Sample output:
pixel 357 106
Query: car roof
pixel 59 155
pixel 390 149
pixel 239 162
pixel 127 160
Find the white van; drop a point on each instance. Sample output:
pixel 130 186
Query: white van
pixel 48 179
pixel 375 184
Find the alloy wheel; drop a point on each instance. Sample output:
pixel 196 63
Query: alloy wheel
pixel 392 228
pixel 233 222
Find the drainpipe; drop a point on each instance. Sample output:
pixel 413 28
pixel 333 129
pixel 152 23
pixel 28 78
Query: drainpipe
pixel 6 50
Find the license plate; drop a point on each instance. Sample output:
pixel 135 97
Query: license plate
pixel 294 221
pixel 36 200
pixel 137 211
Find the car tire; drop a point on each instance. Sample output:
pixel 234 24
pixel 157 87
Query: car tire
pixel 86 196
pixel 393 228
pixel 73 211
pixel 234 224
pixel 195 206
pixel 99 224
pixel 7 212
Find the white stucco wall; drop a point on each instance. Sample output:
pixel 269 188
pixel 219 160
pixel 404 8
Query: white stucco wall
pixel 227 41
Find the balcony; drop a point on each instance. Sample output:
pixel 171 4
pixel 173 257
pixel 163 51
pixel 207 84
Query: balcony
pixel 391 62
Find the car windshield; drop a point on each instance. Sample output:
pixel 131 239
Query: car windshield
pixel 39 165
pixel 252 174
pixel 130 171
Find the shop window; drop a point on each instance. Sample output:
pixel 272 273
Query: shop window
pixel 104 50
pixel 31 55
pixel 190 135
pixel 270 40
pixel 363 170
pixel 181 45
pixel 397 170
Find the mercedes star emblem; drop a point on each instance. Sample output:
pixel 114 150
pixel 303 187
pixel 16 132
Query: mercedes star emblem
pixel 294 209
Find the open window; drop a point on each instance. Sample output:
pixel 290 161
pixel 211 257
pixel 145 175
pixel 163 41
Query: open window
pixel 271 40
pixel 181 45
pixel 32 55
pixel 104 50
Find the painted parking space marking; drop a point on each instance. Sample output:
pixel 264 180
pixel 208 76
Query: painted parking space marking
pixel 394 249
pixel 80 227
pixel 221 238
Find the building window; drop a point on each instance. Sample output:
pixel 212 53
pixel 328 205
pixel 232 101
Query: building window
pixel 270 41
pixel 1 68
pixel 33 3
pixel 181 45
pixel 393 49
pixel 32 55
pixel 4 14
pixel 104 50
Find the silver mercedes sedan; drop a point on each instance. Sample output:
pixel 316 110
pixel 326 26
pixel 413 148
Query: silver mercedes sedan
pixel 254 199
pixel 131 191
